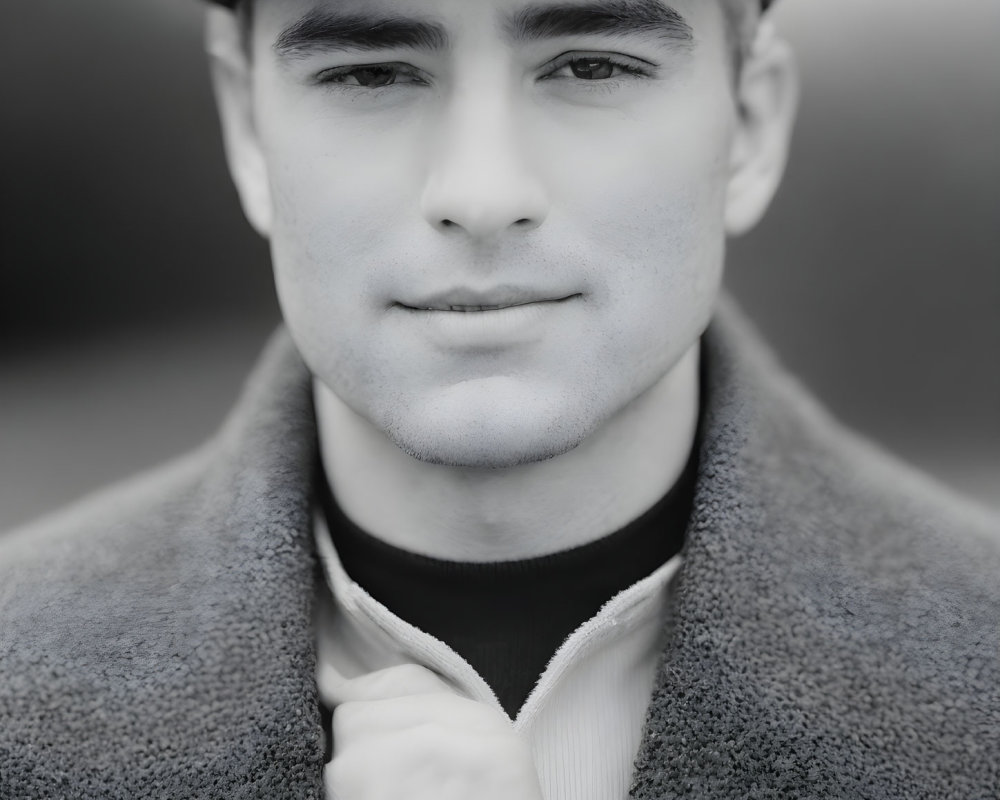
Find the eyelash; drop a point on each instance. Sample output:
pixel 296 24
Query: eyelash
pixel 631 67
pixel 331 77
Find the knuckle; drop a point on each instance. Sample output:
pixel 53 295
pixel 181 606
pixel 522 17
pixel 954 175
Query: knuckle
pixel 426 737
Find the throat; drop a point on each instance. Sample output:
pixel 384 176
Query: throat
pixel 525 511
pixel 508 618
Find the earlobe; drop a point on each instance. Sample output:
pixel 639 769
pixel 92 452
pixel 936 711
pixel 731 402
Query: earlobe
pixel 231 79
pixel 767 96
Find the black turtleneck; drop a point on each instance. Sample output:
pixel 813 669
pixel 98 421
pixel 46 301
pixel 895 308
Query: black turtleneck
pixel 508 618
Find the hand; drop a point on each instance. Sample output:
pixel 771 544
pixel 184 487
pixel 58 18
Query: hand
pixel 403 734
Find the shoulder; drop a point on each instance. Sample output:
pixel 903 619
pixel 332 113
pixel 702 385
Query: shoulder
pixel 805 470
pixel 264 448
pixel 911 559
pixel 813 526
pixel 884 520
pixel 174 525
pixel 139 623
pixel 835 618
pixel 97 534
pixel 84 582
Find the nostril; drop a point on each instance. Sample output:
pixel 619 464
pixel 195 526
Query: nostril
pixel 479 224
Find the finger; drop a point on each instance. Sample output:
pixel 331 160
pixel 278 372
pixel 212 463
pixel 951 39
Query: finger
pixel 357 721
pixel 384 684
pixel 427 764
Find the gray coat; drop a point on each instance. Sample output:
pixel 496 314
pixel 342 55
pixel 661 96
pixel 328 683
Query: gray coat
pixel 834 632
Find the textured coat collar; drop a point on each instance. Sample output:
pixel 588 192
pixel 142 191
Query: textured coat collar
pixel 833 633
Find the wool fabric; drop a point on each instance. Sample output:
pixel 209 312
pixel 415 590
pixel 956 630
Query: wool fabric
pixel 833 633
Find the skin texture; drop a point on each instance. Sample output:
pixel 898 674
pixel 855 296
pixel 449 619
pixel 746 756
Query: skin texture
pixel 499 168
pixel 494 172
pixel 546 189
pixel 405 728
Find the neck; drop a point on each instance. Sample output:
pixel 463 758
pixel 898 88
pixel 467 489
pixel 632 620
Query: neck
pixel 466 514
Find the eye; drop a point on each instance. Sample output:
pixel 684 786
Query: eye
pixel 370 76
pixel 597 67
pixel 592 69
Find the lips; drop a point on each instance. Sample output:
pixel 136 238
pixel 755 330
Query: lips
pixel 497 299
pixel 468 308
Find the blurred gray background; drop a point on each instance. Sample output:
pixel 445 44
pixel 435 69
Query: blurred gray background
pixel 135 297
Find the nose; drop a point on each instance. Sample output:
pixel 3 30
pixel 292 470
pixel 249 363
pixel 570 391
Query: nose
pixel 480 181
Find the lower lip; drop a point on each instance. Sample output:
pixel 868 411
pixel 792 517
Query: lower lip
pixel 518 324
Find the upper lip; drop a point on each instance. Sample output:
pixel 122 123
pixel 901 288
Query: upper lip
pixel 467 299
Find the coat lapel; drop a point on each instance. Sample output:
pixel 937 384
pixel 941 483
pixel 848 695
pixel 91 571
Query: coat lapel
pixel 157 640
pixel 725 720
pixel 825 612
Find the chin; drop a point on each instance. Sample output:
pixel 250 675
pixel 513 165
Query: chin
pixel 496 432
pixel 481 451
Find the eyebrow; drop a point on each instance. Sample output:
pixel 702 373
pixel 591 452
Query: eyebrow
pixel 321 29
pixel 615 17
pixel 326 30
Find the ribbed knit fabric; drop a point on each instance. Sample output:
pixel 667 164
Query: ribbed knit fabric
pixel 832 631
pixel 508 618
pixel 584 718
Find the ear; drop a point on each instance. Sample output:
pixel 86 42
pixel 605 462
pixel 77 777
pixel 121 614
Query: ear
pixel 767 97
pixel 231 69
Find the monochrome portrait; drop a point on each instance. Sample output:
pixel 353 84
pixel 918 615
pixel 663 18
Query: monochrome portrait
pixel 537 399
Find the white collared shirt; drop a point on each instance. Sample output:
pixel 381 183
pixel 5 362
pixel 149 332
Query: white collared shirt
pixel 584 718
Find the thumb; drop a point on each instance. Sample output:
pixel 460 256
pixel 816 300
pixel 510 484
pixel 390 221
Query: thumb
pixel 383 684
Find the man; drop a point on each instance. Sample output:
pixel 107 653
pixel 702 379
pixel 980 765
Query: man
pixel 497 502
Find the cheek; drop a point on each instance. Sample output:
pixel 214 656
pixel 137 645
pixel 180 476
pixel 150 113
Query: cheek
pixel 653 184
pixel 654 224
pixel 330 205
pixel 342 237
pixel 318 252
pixel 336 178
pixel 333 196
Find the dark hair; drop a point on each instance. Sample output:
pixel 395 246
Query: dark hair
pixel 740 17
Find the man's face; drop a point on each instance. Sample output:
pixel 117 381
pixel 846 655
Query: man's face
pixel 494 224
